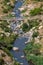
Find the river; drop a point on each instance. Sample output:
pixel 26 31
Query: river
pixel 20 42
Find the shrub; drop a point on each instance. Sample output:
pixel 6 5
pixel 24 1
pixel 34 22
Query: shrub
pixel 5 11
pixel 36 60
pixel 1 61
pixel 33 48
pixel 33 54
pixel 25 27
pixel 35 34
pixel 35 11
pixel 33 23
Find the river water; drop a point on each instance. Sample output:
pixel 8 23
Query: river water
pixel 20 42
pixel 18 4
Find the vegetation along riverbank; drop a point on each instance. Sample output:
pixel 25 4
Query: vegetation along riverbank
pixel 33 12
pixel 7 37
pixel 25 21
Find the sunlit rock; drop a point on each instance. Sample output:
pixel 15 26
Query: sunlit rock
pixel 15 48
pixel 21 63
pixel 22 56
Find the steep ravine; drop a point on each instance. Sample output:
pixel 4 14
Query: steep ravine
pixel 20 42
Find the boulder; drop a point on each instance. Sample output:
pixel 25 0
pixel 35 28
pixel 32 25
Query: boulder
pixel 22 56
pixel 15 48
pixel 21 63
pixel 26 42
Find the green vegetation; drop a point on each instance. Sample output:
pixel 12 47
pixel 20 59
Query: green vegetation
pixel 4 25
pixel 1 61
pixel 39 0
pixel 5 10
pixel 35 34
pixel 7 37
pixel 16 63
pixel 36 23
pixel 27 1
pixel 33 48
pixel 35 11
pixel 33 53
pixel 25 27
pixel 6 40
pixel 7 6
pixel 24 11
pixel 35 60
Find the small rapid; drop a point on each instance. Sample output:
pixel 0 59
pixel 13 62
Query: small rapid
pixel 20 42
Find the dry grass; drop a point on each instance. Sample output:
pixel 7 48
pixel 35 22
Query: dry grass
pixel 3 6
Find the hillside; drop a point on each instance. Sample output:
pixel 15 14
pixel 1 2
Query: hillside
pixel 6 6
pixel 7 37
pixel 32 11
pixel 30 27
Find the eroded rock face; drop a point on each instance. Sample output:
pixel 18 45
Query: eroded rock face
pixel 6 59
